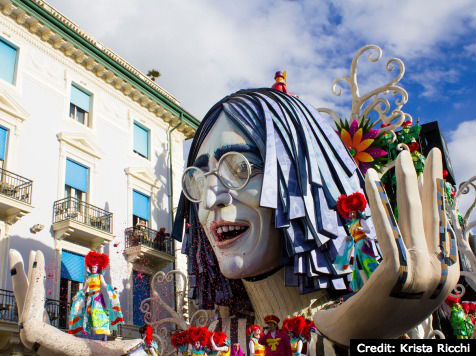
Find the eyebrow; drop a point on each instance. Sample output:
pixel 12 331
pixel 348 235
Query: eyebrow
pixel 201 161
pixel 241 148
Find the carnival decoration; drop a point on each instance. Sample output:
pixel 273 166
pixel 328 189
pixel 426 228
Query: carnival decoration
pixel 151 345
pixel 219 344
pixel 280 82
pixel 89 312
pixel 295 327
pixel 180 340
pixel 358 249
pixel 275 341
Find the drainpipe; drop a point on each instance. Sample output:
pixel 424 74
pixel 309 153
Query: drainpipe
pixel 171 197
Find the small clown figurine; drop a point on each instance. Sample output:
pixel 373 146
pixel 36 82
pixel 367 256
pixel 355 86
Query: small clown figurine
pixel 280 83
pixel 358 250
pixel 458 318
pixel 180 341
pixel 198 337
pixel 89 312
pixel 295 327
pixel 254 332
pixel 151 346
pixel 220 344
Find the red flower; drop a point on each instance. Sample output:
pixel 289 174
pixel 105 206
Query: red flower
pixel 407 123
pixel 445 173
pixel 295 324
pixel 414 147
pixel 353 202
pixel 148 334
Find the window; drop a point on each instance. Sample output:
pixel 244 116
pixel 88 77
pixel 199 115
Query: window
pixel 75 188
pixel 80 105
pixel 8 61
pixel 141 291
pixel 141 140
pixel 140 209
pixel 3 145
pixel 72 276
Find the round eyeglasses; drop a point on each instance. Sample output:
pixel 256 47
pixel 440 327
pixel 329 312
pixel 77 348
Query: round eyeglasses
pixel 233 171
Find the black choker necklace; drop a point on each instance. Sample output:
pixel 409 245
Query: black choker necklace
pixel 263 275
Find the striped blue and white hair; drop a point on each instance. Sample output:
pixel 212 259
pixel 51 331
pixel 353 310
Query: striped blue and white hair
pixel 306 169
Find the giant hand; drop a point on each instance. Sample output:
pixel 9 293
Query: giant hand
pixel 420 260
pixel 38 335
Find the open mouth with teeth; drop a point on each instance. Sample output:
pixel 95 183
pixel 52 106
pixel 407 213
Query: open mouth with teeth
pixel 226 232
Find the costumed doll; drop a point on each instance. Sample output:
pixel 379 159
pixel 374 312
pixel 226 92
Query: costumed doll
pixel 358 249
pixel 254 332
pixel 180 341
pixel 306 335
pixel 469 322
pixel 280 83
pixel 236 350
pixel 294 327
pixel 89 312
pixel 457 318
pixel 198 337
pixel 220 344
pixel 151 346
pixel 276 342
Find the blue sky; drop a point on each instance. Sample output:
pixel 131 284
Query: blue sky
pixel 206 49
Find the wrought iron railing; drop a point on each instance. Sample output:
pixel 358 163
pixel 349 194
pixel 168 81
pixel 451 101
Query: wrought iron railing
pixel 14 186
pixel 74 209
pixel 8 306
pixel 141 235
pixel 58 312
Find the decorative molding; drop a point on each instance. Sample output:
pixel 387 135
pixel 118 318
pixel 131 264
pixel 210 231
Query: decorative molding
pixel 80 142
pixel 143 174
pixel 9 105
pixel 65 36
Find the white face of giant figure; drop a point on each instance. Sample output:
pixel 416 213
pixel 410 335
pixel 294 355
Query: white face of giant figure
pixel 241 233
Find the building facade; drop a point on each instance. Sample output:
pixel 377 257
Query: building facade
pixel 91 156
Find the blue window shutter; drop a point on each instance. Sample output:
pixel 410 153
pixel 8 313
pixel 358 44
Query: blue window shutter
pixel 76 175
pixel 80 99
pixel 140 205
pixel 8 58
pixel 3 142
pixel 141 140
pixel 141 291
pixel 72 266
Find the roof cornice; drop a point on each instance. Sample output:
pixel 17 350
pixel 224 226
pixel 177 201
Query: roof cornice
pixel 52 27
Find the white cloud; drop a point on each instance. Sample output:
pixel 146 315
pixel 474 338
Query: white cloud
pixel 210 48
pixel 462 149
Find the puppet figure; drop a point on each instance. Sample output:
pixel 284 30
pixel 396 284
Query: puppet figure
pixel 236 350
pixel 280 83
pixel 295 327
pixel 180 341
pixel 151 346
pixel 254 332
pixel 358 245
pixel 457 318
pixel 276 342
pixel 199 337
pixel 89 312
pixel 219 344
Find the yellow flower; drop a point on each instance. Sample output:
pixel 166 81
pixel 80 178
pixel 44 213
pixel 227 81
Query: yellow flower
pixel 356 146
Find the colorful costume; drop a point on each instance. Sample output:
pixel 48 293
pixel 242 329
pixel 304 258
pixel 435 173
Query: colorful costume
pixel 280 83
pixel 458 319
pixel 358 245
pixel 277 344
pixel 256 349
pixel 237 351
pixel 180 340
pixel 89 312
pixel 295 327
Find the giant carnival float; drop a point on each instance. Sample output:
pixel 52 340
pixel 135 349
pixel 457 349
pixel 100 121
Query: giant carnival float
pixel 324 232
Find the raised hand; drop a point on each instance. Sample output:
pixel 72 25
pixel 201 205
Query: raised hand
pixel 38 335
pixel 420 260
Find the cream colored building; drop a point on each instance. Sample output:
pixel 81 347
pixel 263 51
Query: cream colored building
pixel 89 149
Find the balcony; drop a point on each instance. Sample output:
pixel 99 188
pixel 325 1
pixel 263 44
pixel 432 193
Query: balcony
pixel 156 249
pixel 81 223
pixel 15 196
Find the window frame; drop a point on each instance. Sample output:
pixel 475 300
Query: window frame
pixel 141 126
pixel 15 65
pixel 74 109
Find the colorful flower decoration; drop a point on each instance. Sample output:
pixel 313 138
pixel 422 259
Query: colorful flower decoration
pixel 363 143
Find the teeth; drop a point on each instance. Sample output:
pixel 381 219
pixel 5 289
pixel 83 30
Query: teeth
pixel 219 230
pixel 225 228
pixel 231 228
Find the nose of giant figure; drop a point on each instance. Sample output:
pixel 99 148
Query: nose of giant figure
pixel 216 194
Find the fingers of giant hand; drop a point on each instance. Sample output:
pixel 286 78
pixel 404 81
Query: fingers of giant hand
pixel 431 220
pixel 19 279
pixel 35 297
pixel 410 219
pixel 381 210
